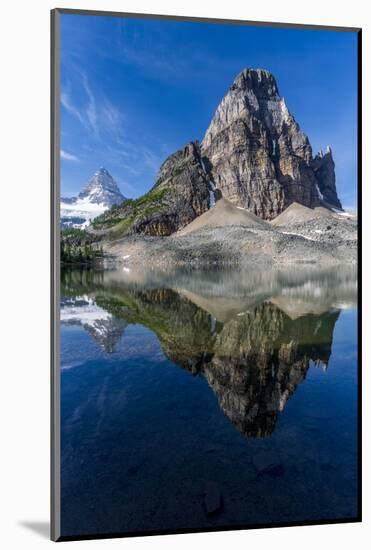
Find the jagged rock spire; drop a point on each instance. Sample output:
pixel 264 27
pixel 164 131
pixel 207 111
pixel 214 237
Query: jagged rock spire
pixel 260 158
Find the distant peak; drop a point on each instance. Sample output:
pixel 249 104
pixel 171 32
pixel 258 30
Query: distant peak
pixel 102 189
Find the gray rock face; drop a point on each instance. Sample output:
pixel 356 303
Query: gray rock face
pixel 257 155
pixel 181 193
pixel 186 184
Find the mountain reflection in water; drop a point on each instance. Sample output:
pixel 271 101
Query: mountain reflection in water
pixel 252 335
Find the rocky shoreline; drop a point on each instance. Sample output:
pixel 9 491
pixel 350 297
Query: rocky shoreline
pixel 232 245
pixel 327 238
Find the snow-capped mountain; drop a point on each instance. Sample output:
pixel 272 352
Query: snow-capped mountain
pixel 100 193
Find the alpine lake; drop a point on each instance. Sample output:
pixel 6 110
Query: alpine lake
pixel 207 399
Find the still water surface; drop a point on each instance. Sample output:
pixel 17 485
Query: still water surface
pixel 198 399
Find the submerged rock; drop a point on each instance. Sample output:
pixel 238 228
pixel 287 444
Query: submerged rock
pixel 275 470
pixel 212 499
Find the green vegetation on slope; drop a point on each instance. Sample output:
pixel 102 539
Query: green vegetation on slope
pixel 121 218
pixel 78 246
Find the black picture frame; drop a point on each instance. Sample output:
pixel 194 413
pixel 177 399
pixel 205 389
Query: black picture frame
pixel 55 519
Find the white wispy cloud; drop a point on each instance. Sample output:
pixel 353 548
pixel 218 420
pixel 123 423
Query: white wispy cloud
pixel 151 159
pixel 112 116
pixel 136 156
pixel 68 156
pixel 127 189
pixel 91 108
pixel 67 103
pixel 97 114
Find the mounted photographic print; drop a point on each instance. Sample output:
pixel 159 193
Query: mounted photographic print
pixel 206 329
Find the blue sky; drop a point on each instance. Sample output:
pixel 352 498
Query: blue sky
pixel 133 91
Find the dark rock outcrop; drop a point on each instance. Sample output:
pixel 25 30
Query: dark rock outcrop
pixel 180 194
pixel 212 499
pixel 324 169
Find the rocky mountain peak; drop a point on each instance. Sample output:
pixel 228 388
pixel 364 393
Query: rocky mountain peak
pixel 99 194
pixel 259 157
pixel 253 154
pixel 260 81
pixel 102 189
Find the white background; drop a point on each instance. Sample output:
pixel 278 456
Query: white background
pixel 24 252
